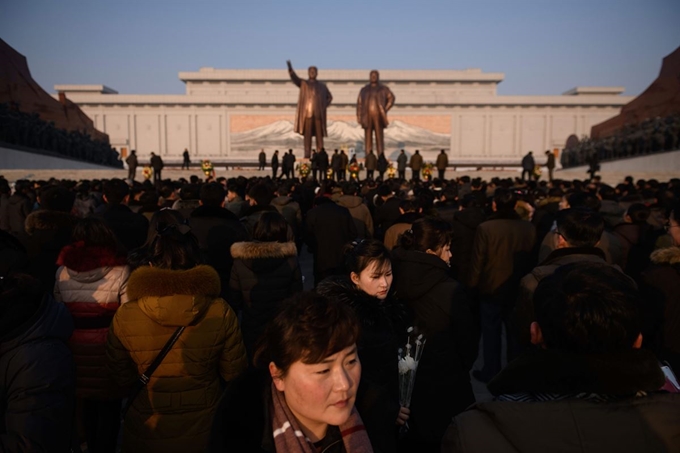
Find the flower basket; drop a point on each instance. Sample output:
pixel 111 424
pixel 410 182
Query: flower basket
pixel 427 171
pixel 207 168
pixel 147 172
pixel 537 172
pixel 354 171
pixel 303 170
pixel 391 171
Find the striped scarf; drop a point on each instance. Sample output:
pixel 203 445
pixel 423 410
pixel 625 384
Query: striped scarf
pixel 289 437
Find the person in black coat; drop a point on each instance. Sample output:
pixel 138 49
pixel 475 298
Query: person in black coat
pixel 323 163
pixel 157 165
pixel 442 313
pixel 329 228
pixel 216 229
pixel 383 325
pixel 129 227
pixel 275 163
pixel 265 272
pixel 37 383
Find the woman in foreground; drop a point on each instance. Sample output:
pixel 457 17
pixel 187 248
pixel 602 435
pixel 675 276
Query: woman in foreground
pixel 300 397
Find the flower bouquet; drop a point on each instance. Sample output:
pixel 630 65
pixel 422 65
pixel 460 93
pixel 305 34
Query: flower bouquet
pixel 537 172
pixel 354 171
pixel 391 171
pixel 303 169
pixel 427 171
pixel 329 173
pixel 147 172
pixel 409 357
pixel 207 168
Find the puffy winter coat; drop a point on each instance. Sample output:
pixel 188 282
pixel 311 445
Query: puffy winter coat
pixel 174 411
pixel 360 213
pixel 92 283
pixel 263 274
pixel 37 378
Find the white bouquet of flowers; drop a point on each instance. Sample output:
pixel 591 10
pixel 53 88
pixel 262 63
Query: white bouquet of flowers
pixel 408 365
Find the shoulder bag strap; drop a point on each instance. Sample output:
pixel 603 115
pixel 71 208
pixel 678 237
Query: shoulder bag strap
pixel 144 377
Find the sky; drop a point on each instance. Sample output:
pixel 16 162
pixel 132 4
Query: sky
pixel 544 47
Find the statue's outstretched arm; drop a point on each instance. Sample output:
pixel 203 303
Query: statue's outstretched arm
pixel 294 77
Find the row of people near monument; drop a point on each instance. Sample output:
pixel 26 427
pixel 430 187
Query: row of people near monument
pixel 582 274
pixel 29 130
pixel 653 135
pixel 337 166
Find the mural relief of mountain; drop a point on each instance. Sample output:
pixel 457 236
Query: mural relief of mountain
pixel 341 134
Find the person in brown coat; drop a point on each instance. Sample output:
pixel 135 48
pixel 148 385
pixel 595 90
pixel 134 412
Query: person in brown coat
pixel 358 210
pixel 174 411
pixel 416 164
pixel 371 164
pixel 587 387
pixel 501 257
pixel 442 163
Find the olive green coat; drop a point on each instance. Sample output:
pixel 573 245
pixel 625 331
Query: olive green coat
pixel 174 411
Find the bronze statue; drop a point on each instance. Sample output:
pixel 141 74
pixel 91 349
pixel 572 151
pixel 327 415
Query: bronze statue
pixel 373 103
pixel 310 117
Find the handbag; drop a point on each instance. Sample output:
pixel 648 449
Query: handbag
pixel 144 377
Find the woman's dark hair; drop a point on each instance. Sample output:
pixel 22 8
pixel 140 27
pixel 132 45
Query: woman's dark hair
pixel 309 327
pixel 271 227
pixel 170 243
pixel 361 253
pixel 94 232
pixel 428 233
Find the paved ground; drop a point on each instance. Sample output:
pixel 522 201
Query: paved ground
pixel 610 177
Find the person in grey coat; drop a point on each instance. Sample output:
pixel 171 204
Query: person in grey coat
pixel 401 164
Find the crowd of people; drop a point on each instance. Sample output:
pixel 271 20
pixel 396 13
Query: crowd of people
pixel 29 130
pixel 182 306
pixel 653 135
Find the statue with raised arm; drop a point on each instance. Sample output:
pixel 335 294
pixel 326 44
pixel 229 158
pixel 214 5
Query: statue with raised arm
pixel 375 99
pixel 310 117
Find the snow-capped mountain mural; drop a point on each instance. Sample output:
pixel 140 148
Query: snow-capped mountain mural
pixel 341 134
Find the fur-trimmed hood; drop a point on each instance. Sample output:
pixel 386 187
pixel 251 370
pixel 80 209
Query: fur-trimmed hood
pixel 257 250
pixel 48 220
pixel 80 258
pixel 174 297
pixel 668 255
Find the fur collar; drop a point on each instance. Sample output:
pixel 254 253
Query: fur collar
pixel 79 258
pixel 551 371
pixel 254 250
pixel 669 255
pixel 48 220
pixel 153 281
pixel 370 310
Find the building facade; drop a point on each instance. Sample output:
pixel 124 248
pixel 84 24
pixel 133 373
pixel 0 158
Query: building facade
pixel 228 115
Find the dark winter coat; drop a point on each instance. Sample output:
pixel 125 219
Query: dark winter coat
pixel 383 331
pixel 621 423
pixel 19 207
pixel 290 210
pixel 130 228
pixel 401 162
pixel 47 233
pixel 442 312
pixel 263 275
pixel 157 163
pixel 175 409
pixel 37 382
pixel 416 162
pixel 637 244
pixel 322 159
pixel 501 255
pixel 216 230
pixel 660 284
pixel 371 162
pixel 385 216
pixel 363 221
pixel 329 228
pixel 465 225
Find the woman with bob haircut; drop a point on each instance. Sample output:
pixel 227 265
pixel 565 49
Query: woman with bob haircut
pixel 173 411
pixel 300 396
pixel 367 289
pixel 442 313
pixel 265 272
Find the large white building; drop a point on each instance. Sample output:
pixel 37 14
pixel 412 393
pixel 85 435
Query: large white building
pixel 228 115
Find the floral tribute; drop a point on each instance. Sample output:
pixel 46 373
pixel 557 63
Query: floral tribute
pixel 208 168
pixel 391 171
pixel 303 170
pixel 409 357
pixel 354 171
pixel 537 172
pixel 427 171
pixel 329 173
pixel 147 172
